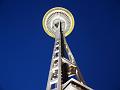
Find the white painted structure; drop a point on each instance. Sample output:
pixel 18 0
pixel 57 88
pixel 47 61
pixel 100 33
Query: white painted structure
pixel 64 73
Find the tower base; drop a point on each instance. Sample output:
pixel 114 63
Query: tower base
pixel 73 84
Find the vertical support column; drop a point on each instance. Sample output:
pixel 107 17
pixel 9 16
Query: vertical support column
pixel 72 60
pixel 58 38
pixel 58 84
pixel 50 72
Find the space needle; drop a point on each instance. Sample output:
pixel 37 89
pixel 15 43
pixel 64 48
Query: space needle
pixel 64 74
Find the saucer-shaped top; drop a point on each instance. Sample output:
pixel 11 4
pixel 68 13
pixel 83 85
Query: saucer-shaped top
pixel 58 13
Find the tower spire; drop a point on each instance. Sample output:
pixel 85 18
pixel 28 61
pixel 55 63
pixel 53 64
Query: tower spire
pixel 64 73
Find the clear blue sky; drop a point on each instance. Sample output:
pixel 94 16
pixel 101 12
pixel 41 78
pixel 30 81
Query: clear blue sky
pixel 25 50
